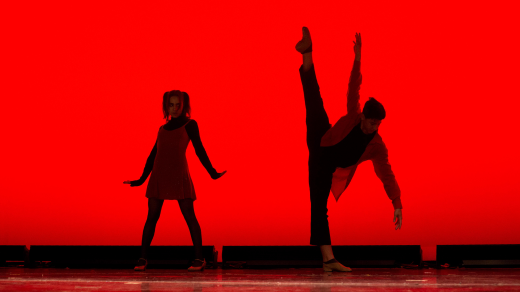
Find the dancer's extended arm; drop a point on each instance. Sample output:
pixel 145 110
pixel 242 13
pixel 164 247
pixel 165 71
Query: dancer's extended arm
pixel 193 132
pixel 147 168
pixel 386 175
pixel 354 83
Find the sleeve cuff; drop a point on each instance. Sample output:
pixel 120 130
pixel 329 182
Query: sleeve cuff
pixel 397 203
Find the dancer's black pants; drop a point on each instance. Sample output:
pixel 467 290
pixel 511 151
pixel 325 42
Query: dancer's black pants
pixel 320 175
pixel 154 211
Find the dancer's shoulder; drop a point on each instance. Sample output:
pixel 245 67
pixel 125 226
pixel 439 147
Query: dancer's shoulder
pixel 190 122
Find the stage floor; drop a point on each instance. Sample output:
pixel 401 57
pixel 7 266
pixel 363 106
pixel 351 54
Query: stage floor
pixel 312 280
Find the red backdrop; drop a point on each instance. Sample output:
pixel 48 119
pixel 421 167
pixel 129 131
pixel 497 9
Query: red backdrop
pixel 83 82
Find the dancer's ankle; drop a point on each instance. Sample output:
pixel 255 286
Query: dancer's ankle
pixel 142 261
pixel 307 62
pixel 309 50
pixel 333 260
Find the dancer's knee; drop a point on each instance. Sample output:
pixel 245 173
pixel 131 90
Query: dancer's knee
pixel 319 213
pixel 152 218
pixel 187 210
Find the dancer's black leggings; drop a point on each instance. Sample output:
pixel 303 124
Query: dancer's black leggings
pixel 320 176
pixel 154 211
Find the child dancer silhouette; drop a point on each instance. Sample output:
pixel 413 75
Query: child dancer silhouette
pixel 170 177
pixel 335 152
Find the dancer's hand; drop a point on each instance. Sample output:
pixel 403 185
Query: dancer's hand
pixel 218 175
pixel 133 183
pixel 398 218
pixel 357 46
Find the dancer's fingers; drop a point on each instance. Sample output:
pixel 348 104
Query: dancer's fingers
pixel 220 174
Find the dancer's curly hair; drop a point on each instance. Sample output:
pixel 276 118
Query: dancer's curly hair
pixel 373 109
pixel 185 99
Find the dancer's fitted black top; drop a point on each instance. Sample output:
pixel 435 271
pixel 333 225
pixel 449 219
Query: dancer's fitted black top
pixel 193 132
pixel 348 151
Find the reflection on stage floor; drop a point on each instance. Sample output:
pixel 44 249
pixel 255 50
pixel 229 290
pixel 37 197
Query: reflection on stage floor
pixel 311 280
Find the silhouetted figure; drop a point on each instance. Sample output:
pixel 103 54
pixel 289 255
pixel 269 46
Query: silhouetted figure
pixel 335 152
pixel 170 177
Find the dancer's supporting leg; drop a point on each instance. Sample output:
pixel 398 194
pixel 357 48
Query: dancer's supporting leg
pixel 317 123
pixel 154 212
pixel 188 212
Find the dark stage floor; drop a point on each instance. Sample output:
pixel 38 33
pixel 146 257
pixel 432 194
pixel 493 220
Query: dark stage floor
pixel 312 280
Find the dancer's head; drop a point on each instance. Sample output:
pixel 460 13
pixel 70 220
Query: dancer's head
pixel 176 104
pixel 373 113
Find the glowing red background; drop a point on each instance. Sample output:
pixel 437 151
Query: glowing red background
pixel 82 86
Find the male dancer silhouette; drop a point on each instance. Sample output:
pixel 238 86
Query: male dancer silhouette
pixel 335 152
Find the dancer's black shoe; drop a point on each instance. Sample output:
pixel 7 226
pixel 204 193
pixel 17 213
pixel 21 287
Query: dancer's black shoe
pixel 141 265
pixel 197 265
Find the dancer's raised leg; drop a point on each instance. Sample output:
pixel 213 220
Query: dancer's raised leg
pixel 320 178
pixel 316 118
pixel 317 122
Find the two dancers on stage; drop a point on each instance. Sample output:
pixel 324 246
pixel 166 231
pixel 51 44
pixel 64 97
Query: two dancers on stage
pixel 334 154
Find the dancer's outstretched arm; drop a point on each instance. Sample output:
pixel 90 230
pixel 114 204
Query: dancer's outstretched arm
pixel 193 132
pixel 147 168
pixel 386 175
pixel 354 83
